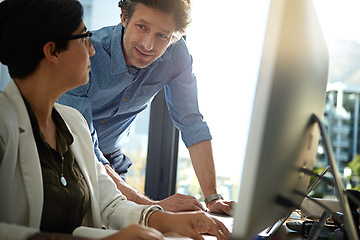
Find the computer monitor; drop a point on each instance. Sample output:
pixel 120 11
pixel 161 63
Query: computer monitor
pixel 283 138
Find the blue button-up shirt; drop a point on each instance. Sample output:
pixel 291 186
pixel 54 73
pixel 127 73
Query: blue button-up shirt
pixel 116 93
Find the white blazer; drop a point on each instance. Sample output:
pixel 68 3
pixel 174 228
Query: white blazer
pixel 21 185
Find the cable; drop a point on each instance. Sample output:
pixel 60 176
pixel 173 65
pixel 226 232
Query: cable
pixel 319 176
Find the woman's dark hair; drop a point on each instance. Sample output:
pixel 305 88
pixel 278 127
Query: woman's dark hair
pixel 179 9
pixel 26 25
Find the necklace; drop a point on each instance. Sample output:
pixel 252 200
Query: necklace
pixel 62 178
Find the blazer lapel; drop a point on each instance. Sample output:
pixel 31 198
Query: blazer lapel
pixel 30 166
pixel 80 154
pixel 28 157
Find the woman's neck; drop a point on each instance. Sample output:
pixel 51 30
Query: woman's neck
pixel 39 96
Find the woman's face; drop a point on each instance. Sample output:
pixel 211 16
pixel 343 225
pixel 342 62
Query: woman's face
pixel 76 60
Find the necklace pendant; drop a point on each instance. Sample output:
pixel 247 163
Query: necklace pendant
pixel 63 181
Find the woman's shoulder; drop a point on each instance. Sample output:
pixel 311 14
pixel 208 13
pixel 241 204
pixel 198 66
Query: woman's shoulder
pixel 70 115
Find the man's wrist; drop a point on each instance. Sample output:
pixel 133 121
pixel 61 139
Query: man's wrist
pixel 212 197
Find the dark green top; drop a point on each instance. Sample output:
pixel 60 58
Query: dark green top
pixel 64 207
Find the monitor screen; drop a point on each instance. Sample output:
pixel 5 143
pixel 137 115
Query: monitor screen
pixel 282 140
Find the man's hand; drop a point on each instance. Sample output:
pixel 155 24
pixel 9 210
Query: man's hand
pixel 221 206
pixel 179 203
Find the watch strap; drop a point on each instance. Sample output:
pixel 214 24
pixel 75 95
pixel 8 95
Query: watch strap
pixel 212 197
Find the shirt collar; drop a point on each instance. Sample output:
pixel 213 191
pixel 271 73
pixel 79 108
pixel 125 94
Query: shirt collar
pixel 118 64
pixel 64 135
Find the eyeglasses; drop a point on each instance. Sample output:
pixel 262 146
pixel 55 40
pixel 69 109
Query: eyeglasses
pixel 86 36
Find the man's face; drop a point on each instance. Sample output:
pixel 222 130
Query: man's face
pixel 146 35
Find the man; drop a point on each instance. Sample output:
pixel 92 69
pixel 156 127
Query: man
pixel 133 62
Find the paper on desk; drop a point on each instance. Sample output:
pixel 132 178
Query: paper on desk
pixel 88 232
pixel 171 236
pixel 311 209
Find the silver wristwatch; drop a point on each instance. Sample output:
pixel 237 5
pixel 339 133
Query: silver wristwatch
pixel 212 197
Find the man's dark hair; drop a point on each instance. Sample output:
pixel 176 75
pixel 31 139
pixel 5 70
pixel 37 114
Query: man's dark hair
pixel 179 9
pixel 27 25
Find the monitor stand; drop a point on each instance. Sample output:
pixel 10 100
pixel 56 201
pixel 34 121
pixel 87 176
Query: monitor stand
pixel 349 225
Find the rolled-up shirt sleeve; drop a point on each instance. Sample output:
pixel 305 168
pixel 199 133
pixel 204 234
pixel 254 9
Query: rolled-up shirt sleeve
pixel 182 98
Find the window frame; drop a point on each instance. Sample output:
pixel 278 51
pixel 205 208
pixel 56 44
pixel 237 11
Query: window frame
pixel 163 145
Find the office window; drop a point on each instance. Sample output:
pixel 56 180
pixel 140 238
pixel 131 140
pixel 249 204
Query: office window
pixel 341 115
pixel 226 51
pixel 136 149
pixel 226 46
pixel 87 5
pixel 100 13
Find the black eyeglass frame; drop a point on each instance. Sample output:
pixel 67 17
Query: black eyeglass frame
pixel 86 35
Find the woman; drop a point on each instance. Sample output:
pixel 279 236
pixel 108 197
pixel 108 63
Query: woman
pixel 50 181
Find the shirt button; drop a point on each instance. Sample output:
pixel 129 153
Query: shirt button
pixel 125 72
pixel 125 99
pixel 102 121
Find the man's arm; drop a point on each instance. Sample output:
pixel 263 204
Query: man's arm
pixel 203 162
pixel 182 100
pixel 175 203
